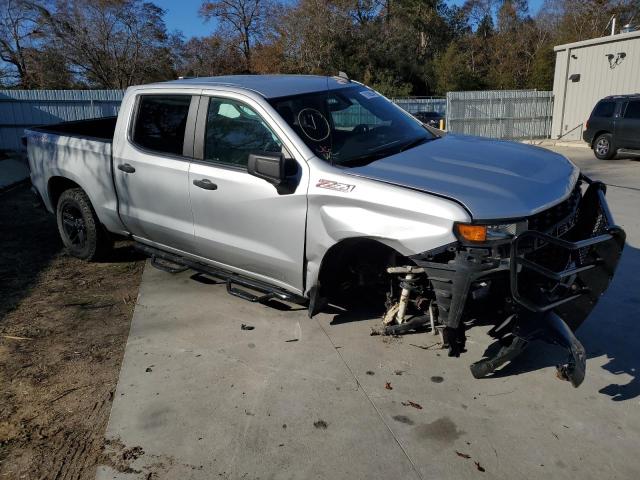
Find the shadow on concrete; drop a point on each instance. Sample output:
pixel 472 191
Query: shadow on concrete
pixel 612 330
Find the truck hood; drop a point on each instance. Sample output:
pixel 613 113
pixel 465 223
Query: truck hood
pixel 492 179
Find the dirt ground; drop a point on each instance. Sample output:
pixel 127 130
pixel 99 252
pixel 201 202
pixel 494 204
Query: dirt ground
pixel 63 328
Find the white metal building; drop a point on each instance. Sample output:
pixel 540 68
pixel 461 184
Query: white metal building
pixel 588 71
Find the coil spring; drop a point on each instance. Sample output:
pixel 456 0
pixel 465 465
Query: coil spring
pixel 411 284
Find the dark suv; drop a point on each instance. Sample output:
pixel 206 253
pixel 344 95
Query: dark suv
pixel 614 126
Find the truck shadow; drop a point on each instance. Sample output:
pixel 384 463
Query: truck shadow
pixel 29 243
pixel 610 334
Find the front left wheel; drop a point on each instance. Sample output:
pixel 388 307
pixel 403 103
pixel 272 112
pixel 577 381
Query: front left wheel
pixel 79 227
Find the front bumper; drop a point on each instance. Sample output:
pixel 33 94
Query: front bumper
pixel 549 281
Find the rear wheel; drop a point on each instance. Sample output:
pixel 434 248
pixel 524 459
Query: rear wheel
pixel 79 227
pixel 603 147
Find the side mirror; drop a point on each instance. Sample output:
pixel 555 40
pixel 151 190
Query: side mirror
pixel 268 166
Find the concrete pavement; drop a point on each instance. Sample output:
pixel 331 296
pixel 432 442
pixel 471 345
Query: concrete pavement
pixel 299 398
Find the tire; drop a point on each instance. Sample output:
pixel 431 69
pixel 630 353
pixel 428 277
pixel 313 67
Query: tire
pixel 603 147
pixel 79 227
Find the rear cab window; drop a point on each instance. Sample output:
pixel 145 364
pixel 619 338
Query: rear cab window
pixel 160 123
pixel 604 109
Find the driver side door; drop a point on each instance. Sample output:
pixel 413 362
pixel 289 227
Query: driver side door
pixel 242 222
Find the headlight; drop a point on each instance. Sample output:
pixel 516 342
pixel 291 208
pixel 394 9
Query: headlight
pixel 468 232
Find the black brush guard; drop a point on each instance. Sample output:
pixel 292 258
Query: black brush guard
pixel 592 249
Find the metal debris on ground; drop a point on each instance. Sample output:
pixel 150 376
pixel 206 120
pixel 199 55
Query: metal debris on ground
pixel 244 326
pixel 427 347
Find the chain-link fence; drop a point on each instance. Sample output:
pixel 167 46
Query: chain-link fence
pixel 508 114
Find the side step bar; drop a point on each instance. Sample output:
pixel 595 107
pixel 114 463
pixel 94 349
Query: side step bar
pixel 160 258
pixel 628 151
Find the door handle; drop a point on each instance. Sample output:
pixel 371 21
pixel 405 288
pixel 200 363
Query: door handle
pixel 206 184
pixel 126 168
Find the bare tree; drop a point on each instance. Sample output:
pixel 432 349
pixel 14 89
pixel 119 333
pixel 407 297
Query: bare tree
pixel 207 56
pixel 242 18
pixel 20 32
pixel 112 43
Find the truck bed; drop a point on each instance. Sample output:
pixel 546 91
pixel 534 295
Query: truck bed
pixel 79 152
pixel 95 128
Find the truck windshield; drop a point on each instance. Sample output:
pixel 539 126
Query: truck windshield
pixel 351 126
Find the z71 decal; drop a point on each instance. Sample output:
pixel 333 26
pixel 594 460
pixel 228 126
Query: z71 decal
pixel 333 185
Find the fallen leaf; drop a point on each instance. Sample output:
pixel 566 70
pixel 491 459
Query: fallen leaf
pixel 479 467
pixel 388 386
pixel 321 424
pixel 463 455
pixel 409 403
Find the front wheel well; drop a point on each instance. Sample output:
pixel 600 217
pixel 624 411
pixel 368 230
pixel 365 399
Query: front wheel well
pixel 354 269
pixel 57 186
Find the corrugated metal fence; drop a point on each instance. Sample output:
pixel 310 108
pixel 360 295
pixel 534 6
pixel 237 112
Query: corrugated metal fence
pixel 24 108
pixel 511 114
pixel 508 114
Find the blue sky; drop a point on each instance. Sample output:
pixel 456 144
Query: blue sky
pixel 183 15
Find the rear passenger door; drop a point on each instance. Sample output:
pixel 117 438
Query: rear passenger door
pixel 151 170
pixel 242 222
pixel 628 127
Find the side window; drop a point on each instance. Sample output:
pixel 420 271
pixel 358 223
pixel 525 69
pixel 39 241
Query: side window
pixel 233 131
pixel 633 109
pixel 160 122
pixel 604 109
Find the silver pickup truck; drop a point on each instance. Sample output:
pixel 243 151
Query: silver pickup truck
pixel 319 190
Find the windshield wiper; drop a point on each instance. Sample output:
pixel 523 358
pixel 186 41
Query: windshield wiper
pixel 416 142
pixel 385 151
pixel 368 157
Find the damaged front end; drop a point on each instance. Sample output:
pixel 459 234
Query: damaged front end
pixel 534 279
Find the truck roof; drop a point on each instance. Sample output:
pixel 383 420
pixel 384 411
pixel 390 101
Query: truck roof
pixel 269 86
pixel 622 97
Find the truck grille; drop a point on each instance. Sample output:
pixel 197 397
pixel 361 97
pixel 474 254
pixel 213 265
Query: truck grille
pixel 551 220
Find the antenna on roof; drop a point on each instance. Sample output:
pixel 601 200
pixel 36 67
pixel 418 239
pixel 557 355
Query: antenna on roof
pixel 343 75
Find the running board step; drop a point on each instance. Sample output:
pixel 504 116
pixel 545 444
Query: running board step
pixel 628 151
pixel 167 265
pixel 233 280
pixel 246 295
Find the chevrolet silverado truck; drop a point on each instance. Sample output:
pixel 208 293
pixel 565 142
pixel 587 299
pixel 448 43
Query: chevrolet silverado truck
pixel 319 190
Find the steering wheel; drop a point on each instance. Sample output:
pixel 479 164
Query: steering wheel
pixel 361 128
